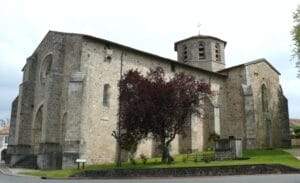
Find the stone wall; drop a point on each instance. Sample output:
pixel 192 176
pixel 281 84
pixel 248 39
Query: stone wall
pixel 99 121
pixel 12 128
pixel 59 96
pixel 45 92
pixel 233 125
pixel 246 118
pixel 267 123
pixel 284 120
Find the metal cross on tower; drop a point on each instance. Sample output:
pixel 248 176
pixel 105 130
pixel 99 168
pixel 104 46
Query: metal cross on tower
pixel 198 26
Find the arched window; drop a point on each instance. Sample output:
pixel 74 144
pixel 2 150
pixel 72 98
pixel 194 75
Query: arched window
pixel 46 68
pixel 264 98
pixel 185 53
pixel 106 95
pixel 201 48
pixel 217 52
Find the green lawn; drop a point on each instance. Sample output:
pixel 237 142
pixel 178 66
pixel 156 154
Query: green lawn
pixel 276 156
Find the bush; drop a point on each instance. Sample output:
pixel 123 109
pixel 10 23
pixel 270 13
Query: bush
pixel 296 130
pixel 144 158
pixel 208 156
pixel 131 159
pixel 197 157
pixel 184 159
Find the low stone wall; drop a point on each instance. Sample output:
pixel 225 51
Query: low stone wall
pixel 192 171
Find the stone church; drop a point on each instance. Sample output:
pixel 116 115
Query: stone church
pixel 67 105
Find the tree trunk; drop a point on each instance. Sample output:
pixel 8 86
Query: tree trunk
pixel 166 157
pixel 119 156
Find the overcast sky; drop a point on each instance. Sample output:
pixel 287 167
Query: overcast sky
pixel 252 28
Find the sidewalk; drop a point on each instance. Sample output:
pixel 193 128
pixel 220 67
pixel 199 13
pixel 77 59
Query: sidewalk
pixel 295 152
pixel 12 171
pixel 4 169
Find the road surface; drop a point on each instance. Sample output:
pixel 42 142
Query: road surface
pixel 292 178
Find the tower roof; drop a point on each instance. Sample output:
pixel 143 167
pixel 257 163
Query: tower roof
pixel 198 37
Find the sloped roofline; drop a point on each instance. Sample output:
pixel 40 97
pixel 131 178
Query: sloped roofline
pixel 171 61
pixel 250 63
pixel 197 37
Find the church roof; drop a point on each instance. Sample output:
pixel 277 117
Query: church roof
pixel 252 62
pixel 144 53
pixel 198 37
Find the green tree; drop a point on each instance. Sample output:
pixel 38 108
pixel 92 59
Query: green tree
pixel 296 37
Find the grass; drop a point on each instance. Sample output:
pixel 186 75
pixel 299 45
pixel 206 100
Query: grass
pixel 275 156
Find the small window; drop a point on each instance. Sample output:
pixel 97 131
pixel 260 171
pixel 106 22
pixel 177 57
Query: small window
pixel 108 53
pixel 106 95
pixel 172 67
pixel 6 139
pixel 217 50
pixel 185 54
pixel 264 98
pixel 201 48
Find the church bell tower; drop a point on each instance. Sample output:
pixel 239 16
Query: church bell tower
pixel 205 52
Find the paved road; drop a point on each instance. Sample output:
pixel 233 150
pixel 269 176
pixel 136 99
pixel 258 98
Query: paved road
pixel 227 179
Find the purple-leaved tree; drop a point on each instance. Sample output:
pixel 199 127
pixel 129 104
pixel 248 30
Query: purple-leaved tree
pixel 153 107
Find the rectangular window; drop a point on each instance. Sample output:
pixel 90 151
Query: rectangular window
pixel 106 95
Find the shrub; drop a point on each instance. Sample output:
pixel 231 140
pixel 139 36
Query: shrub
pixel 197 157
pixel 184 159
pixel 131 159
pixel 144 158
pixel 208 156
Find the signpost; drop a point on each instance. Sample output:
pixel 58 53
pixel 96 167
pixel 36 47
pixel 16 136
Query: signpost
pixel 83 161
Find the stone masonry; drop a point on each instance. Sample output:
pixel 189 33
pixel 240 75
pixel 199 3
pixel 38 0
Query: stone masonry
pixel 68 102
